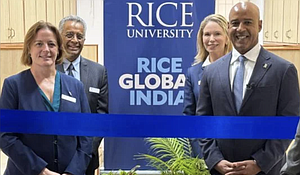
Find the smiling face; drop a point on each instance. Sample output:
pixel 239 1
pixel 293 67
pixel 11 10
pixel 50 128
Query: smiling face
pixel 214 38
pixel 73 39
pixel 44 48
pixel 244 26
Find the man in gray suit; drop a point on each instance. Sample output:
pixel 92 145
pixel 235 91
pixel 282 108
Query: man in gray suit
pixel 292 165
pixel 92 75
pixel 249 81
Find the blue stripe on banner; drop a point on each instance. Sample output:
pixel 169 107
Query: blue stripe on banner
pixel 115 125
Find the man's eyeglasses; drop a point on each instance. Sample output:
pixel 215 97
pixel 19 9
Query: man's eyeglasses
pixel 71 35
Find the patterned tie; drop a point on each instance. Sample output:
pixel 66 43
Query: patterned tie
pixel 238 84
pixel 70 68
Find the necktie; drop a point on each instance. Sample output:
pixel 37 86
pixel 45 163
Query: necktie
pixel 70 68
pixel 238 84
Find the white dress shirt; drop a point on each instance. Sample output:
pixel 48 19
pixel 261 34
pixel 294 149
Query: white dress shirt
pixel 206 62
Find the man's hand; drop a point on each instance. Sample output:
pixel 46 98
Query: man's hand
pixel 225 166
pixel 46 171
pixel 247 167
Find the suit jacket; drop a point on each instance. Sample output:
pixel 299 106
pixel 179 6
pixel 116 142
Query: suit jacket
pixel 29 154
pixel 273 90
pixel 191 95
pixel 292 165
pixel 192 88
pixel 94 78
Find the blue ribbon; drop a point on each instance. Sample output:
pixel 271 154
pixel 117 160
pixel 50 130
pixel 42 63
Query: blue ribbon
pixel 115 125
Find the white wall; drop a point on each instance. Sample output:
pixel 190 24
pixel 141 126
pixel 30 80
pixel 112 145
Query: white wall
pixel 92 12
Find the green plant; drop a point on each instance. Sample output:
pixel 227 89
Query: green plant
pixel 172 156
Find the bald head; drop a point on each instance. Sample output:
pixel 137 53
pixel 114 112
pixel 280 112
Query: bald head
pixel 244 26
pixel 245 6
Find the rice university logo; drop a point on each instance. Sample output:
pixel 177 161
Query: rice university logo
pixel 153 20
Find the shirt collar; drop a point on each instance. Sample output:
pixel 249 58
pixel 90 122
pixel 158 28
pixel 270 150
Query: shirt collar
pixel 251 55
pixel 66 64
pixel 206 62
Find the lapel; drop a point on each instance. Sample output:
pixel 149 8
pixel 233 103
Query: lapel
pixel 225 80
pixel 32 88
pixel 200 73
pixel 66 88
pixel 83 72
pixel 262 65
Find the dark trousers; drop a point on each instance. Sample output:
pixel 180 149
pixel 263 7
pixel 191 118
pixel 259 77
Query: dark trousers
pixel 94 163
pixel 91 168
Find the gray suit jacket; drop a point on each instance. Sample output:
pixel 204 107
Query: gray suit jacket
pixel 292 166
pixel 94 78
pixel 272 90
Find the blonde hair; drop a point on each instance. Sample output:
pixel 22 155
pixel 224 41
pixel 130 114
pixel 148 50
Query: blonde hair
pixel 201 51
pixel 29 39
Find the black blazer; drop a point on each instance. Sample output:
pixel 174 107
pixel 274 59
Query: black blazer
pixel 30 153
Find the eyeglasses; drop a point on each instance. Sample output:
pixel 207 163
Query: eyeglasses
pixel 71 35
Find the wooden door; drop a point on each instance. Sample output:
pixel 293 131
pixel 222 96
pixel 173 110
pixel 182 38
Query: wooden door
pixel 5 30
pixel 277 20
pixel 10 63
pixel 34 10
pixel 267 21
pixel 58 11
pixel 290 22
pixel 51 11
pixel 16 19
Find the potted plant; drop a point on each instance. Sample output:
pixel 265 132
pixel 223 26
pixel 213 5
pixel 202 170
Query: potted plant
pixel 121 172
pixel 172 156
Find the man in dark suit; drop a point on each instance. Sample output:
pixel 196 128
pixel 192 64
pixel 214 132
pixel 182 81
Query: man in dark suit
pixel 292 165
pixel 92 75
pixel 249 81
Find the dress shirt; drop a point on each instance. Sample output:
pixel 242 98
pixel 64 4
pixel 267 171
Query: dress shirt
pixel 206 62
pixel 76 70
pixel 251 56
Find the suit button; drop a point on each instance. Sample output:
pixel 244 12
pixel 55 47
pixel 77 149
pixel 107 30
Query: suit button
pixel 55 142
pixel 55 160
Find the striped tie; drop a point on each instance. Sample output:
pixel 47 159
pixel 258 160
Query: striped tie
pixel 70 68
